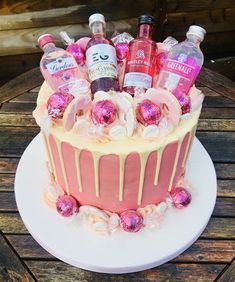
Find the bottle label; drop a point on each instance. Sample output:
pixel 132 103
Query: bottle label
pixel 101 61
pixel 137 79
pixel 61 64
pixel 178 77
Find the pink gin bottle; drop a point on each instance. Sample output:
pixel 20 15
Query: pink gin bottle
pixel 58 67
pixel 140 64
pixel 101 57
pixel 183 64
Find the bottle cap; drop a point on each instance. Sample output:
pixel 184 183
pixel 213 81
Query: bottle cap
pixel 44 39
pixel 146 19
pixel 196 30
pixel 96 18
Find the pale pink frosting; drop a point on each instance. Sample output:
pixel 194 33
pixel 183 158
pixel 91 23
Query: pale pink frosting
pixel 101 222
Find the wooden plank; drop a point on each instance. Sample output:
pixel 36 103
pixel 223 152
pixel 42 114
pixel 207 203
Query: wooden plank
pixel 17 119
pixel 28 248
pixel 224 207
pixel 8 165
pixel 11 268
pixel 191 5
pixel 12 223
pixel 28 97
pixel 218 83
pixel 219 145
pixel 221 251
pixel 7 202
pixel 53 271
pixel 75 14
pixel 36 89
pixel 14 140
pixel 225 171
pixel 216 20
pixel 20 85
pixel 226 188
pixel 228 274
pixel 218 102
pixel 224 66
pixel 13 107
pixel 14 65
pixel 217 113
pixel 207 91
pixel 7 182
pixel 24 41
pixel 214 125
pixel 220 228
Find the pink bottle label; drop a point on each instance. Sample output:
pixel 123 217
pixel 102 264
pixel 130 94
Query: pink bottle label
pixel 178 77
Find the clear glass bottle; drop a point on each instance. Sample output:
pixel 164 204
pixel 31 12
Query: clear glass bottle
pixel 183 63
pixel 140 65
pixel 101 57
pixel 58 67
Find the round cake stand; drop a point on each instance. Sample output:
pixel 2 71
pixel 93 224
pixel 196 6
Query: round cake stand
pixel 121 252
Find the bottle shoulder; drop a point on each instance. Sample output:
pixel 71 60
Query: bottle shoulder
pixel 186 48
pixel 98 40
pixel 140 40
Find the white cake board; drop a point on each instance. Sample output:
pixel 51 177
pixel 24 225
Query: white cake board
pixel 121 252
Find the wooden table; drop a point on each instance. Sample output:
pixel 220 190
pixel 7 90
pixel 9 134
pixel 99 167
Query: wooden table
pixel 209 258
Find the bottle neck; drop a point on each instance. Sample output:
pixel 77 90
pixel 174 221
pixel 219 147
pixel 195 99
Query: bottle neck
pixel 145 31
pixel 194 39
pixel 97 29
pixel 47 48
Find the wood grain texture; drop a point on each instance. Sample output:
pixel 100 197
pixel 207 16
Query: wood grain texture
pixel 220 228
pixel 11 268
pixel 28 248
pixel 12 223
pixel 75 14
pixel 226 188
pixel 27 97
pixel 7 182
pixel 217 113
pixel 7 202
pixel 24 41
pixel 14 140
pixel 14 65
pixel 216 20
pixel 17 119
pixel 190 5
pixel 224 66
pixel 229 274
pixel 8 165
pixel 221 251
pixel 224 207
pixel 20 85
pixel 218 83
pixel 225 171
pixel 222 140
pixel 53 271
pixel 214 125
pixel 14 107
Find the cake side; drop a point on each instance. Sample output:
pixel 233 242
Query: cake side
pixel 119 175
